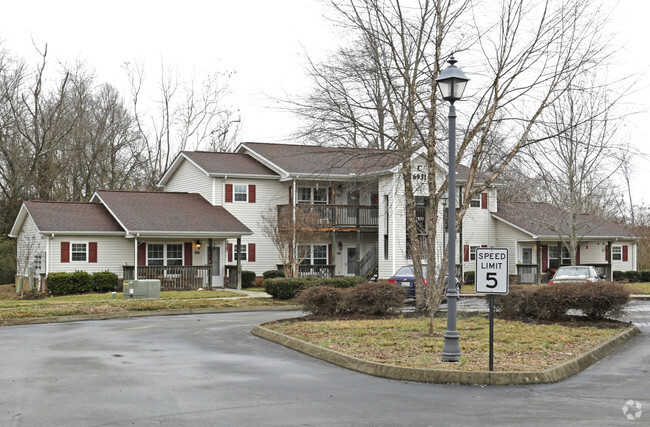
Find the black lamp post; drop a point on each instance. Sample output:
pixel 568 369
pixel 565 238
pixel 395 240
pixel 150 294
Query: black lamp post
pixel 451 82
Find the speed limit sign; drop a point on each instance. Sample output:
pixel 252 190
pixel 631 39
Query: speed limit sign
pixel 491 275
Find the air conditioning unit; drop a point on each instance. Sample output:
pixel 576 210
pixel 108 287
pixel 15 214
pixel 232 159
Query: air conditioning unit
pixel 142 288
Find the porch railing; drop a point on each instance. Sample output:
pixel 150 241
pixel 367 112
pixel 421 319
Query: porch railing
pixel 320 270
pixel 327 216
pixel 172 277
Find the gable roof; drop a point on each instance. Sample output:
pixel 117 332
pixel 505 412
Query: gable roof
pixel 179 214
pixel 214 163
pixel 67 217
pixel 545 220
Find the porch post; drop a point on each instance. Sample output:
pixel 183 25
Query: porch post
pixel 538 248
pixel 357 271
pixel 135 270
pixel 210 263
pixel 334 248
pixel 239 263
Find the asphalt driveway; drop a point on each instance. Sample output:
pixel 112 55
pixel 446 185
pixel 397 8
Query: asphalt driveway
pixel 209 370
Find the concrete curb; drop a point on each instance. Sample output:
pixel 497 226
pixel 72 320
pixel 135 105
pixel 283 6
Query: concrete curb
pixel 128 314
pixel 439 376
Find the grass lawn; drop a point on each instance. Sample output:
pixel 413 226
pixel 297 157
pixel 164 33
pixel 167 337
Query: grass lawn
pixel 639 288
pixel 11 307
pixel 518 346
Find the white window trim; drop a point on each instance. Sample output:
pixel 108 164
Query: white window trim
pixel 234 193
pixel 72 252
pixel 244 252
pixel 620 253
pixel 475 199
pixel 310 258
pixel 164 253
pixel 472 254
pixel 312 196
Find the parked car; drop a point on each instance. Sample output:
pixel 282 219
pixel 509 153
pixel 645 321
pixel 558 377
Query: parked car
pixel 576 274
pixel 405 277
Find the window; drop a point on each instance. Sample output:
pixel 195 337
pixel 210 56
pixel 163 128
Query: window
pixel 156 254
pixel 617 253
pixel 78 252
pixel 385 246
pixel 472 253
pixel 308 195
pixel 566 256
pixel 553 257
pixel 421 204
pixel 244 252
pixel 240 193
pixel 175 254
pixel 314 254
pixel 475 202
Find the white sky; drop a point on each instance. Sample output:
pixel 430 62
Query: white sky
pixel 263 41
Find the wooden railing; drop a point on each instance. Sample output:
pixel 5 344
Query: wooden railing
pixel 321 270
pixel 328 216
pixel 172 277
pixel 527 273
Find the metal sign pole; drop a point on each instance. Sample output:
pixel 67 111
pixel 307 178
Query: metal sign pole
pixel 491 332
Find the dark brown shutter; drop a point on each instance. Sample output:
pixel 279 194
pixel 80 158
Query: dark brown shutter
pixel 228 193
pixel 329 254
pixel 624 252
pixel 484 200
pixel 229 252
pixel 330 195
pixel 544 258
pixel 142 254
pixel 607 253
pixel 290 195
pixel 188 253
pixel 92 251
pixel 65 251
pixel 578 255
pixel 466 251
pixel 251 193
pixel 251 252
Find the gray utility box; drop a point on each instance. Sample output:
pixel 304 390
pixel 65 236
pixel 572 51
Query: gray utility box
pixel 142 288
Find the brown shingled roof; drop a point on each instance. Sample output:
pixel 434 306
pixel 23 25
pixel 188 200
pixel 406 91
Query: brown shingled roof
pixel 228 163
pixel 320 160
pixel 143 211
pixel 71 216
pixel 543 219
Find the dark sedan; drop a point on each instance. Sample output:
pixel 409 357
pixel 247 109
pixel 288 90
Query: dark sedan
pixel 405 277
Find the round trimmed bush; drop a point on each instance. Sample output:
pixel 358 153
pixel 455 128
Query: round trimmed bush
pixel 104 281
pixel 374 298
pixel 323 300
pixel 272 274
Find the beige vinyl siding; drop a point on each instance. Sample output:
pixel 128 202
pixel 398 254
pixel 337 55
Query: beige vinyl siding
pixel 189 178
pixel 507 237
pixel 631 257
pixel 268 194
pixel 476 232
pixel 29 243
pixel 594 252
pixel 113 252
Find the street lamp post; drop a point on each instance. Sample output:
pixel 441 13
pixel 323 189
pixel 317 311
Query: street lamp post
pixel 451 82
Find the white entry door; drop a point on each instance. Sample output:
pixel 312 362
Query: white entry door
pixel 217 264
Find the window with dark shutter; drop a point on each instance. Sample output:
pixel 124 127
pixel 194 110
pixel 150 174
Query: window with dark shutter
pixel 484 200
pixel 251 252
pixel 92 251
pixel 625 253
pixel 229 252
pixel 228 193
pixel 251 193
pixel 466 252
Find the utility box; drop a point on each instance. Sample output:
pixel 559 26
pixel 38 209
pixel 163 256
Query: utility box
pixel 142 288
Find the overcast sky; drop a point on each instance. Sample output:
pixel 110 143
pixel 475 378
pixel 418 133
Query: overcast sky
pixel 263 41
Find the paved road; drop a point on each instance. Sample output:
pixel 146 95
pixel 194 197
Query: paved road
pixel 209 370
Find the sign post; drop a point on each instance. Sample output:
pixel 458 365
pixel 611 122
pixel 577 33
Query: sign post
pixel 491 277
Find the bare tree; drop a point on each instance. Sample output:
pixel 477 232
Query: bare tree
pixel 525 55
pixel 292 235
pixel 576 164
pixel 186 114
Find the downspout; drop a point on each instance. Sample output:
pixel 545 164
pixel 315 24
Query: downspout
pixel 393 230
pixel 460 236
pixel 135 254
pixel 293 218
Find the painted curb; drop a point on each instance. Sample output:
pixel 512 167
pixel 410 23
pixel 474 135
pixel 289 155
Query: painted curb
pixel 128 314
pixel 440 376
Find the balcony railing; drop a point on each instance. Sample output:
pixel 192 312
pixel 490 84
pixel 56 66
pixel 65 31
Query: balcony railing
pixel 320 270
pixel 172 277
pixel 329 216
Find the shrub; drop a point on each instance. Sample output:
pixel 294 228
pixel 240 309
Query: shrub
pixel 342 282
pixel 469 278
pixel 632 276
pixel 272 274
pixel 83 282
pixel 60 283
pixel 552 302
pixel 618 275
pixel 323 300
pixel 374 298
pixel 644 276
pixel 104 281
pixel 288 287
pixel 247 279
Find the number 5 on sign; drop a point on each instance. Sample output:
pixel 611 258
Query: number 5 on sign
pixel 491 275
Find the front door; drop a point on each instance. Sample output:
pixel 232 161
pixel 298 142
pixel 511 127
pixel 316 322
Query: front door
pixel 527 255
pixel 351 260
pixel 217 264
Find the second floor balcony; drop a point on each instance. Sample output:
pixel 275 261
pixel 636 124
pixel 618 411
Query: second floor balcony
pixel 329 216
